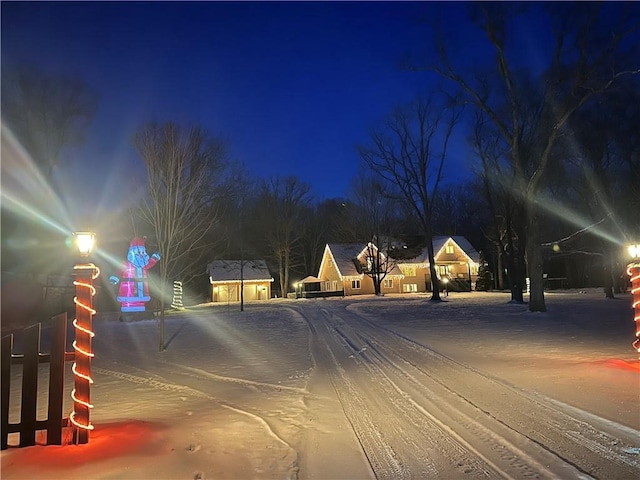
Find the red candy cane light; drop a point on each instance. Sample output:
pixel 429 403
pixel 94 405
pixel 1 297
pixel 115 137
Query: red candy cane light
pixel 85 274
pixel 633 270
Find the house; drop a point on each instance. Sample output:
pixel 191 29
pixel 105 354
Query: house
pixel 344 266
pixel 455 258
pixel 228 277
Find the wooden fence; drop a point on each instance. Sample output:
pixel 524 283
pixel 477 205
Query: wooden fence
pixel 30 359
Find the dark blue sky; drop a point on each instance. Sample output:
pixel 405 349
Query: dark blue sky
pixel 293 86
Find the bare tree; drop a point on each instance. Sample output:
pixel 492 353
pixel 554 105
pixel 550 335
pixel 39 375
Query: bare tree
pixel 184 171
pixel 240 242
pixel 46 112
pixel 409 153
pixel 582 64
pixel 496 178
pixel 281 208
pixel 375 220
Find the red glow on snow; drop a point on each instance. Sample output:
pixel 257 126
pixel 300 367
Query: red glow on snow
pixel 622 364
pixel 108 441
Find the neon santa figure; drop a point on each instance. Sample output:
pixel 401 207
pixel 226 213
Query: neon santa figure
pixel 134 287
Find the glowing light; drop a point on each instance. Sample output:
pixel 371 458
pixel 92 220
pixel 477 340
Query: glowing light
pixel 84 242
pixel 81 367
pixel 634 250
pixel 81 375
pixel 176 302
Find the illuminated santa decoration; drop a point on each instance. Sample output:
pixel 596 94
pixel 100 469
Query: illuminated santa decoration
pixel 133 293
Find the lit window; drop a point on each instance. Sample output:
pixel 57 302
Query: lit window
pixel 409 270
pixel 410 287
pixel 355 284
pixel 448 249
pixel 387 283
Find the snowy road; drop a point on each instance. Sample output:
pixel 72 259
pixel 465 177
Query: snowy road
pixel 368 388
pixel 419 414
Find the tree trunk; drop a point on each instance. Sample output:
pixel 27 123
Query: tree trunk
pixel 162 344
pixel 607 270
pixel 435 294
pixel 514 270
pixel 499 269
pixel 535 263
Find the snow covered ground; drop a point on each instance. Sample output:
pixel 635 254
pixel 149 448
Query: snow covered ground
pixel 362 387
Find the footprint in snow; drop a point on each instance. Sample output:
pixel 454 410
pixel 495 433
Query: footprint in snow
pixel 193 448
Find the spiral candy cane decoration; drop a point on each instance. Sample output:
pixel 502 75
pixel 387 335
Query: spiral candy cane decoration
pixel 633 270
pixel 82 345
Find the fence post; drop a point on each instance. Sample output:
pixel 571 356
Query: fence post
pixel 56 379
pixel 29 386
pixel 6 347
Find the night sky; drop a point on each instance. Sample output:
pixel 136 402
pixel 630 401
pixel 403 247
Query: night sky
pixel 292 86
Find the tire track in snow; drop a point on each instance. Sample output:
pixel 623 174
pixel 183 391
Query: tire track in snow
pixel 542 422
pixel 183 389
pixel 380 416
pixel 433 434
pixel 510 458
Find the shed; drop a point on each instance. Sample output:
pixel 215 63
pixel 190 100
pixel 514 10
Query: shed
pixel 229 277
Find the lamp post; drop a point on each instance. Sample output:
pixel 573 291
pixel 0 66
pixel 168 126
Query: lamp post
pixel 633 270
pixel 85 274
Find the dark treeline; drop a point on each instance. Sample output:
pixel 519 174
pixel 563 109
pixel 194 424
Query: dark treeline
pixel 555 155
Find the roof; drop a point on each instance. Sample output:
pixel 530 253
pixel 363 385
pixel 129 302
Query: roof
pixel 464 244
pixel 344 255
pixel 230 271
pixel 310 279
pixel 439 243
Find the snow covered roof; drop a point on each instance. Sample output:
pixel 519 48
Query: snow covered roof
pixel 344 254
pixel 229 270
pixel 310 279
pixel 464 244
pixel 439 243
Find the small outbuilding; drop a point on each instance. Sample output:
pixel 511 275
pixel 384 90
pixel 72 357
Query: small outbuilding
pixel 308 287
pixel 229 278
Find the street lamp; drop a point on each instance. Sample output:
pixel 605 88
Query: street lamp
pixel 84 242
pixel 85 274
pixel 633 270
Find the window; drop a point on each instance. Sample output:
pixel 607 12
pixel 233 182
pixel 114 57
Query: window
pixel 410 287
pixel 387 283
pixel 355 284
pixel 443 270
pixel 409 270
pixel 449 249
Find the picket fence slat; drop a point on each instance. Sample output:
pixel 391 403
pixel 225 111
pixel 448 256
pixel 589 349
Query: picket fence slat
pixel 30 359
pixel 5 383
pixel 56 379
pixel 29 404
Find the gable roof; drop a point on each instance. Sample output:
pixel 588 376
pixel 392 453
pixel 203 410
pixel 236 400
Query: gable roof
pixel 466 247
pixel 229 271
pixel 343 254
pixel 438 244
